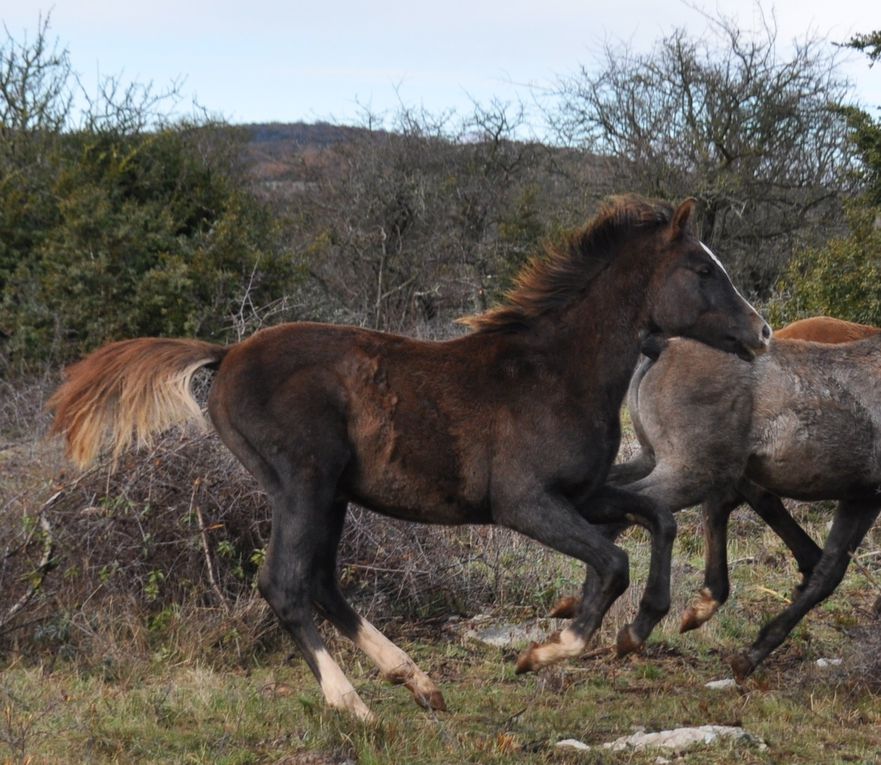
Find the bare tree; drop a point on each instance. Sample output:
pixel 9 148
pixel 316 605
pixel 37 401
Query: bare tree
pixel 398 226
pixel 753 134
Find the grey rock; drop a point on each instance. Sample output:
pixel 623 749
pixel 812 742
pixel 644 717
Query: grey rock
pixel 680 739
pixel 573 743
pixel 507 634
pixel 721 685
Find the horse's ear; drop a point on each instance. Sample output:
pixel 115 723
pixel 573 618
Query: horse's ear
pixel 679 224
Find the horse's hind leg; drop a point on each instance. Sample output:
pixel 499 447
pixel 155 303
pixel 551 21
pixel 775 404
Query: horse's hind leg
pixel 394 664
pixel 850 525
pixel 716 512
pixel 298 546
pixel 300 473
pixel 772 511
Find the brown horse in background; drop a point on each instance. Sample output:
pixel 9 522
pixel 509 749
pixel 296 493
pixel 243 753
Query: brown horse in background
pixel 825 329
pixel 515 424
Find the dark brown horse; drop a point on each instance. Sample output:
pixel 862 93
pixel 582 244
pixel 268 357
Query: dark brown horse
pixel 803 422
pixel 515 423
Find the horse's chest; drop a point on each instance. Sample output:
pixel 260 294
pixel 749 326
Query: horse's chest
pixel 574 454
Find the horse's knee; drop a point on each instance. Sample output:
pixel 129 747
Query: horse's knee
pixel 818 588
pixel 617 573
pixel 665 528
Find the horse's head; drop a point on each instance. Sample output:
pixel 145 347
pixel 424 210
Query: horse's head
pixel 693 296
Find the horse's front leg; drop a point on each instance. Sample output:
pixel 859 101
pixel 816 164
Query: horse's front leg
pixel 553 520
pixel 615 509
pixel 622 473
pixel 770 509
pixel 716 513
pixel 567 606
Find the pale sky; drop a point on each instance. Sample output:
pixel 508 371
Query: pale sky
pixel 267 60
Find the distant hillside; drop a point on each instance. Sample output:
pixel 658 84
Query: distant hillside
pixel 300 135
pixel 276 151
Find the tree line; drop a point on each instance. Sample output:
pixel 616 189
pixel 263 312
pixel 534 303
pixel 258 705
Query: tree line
pixel 119 219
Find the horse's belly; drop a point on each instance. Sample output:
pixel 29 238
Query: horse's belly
pixel 428 482
pixel 818 465
pixel 416 501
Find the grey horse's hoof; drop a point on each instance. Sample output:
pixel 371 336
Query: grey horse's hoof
pixel 742 666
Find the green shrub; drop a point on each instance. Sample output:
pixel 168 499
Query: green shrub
pixel 121 221
pixel 143 235
pixel 842 278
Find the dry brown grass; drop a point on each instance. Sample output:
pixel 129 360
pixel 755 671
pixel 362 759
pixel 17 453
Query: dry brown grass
pixel 129 650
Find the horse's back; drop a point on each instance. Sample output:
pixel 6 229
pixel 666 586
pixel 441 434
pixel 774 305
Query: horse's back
pixel 803 420
pixel 817 420
pixel 826 329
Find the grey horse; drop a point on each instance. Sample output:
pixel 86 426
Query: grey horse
pixel 804 422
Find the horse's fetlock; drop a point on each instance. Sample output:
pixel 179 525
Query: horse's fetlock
pixel 400 675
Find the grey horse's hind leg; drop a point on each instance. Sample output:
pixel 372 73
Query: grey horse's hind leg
pixel 852 521
pixel 771 510
pixel 716 512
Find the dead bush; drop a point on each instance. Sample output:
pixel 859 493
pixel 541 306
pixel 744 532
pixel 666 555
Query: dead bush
pixel 161 554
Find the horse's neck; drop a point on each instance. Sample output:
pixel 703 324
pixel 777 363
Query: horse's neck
pixel 602 331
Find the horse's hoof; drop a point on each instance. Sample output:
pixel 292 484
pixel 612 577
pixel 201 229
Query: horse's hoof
pixel 690 620
pixel 627 642
pixel 434 701
pixel 526 661
pixel 565 608
pixel 699 611
pixel 427 697
pixel 742 666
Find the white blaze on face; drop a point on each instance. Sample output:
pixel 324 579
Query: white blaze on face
pixel 718 263
pixel 737 291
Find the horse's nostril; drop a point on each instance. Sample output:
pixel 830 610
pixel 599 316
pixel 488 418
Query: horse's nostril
pixel 766 332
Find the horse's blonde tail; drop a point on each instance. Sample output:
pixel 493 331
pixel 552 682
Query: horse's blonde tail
pixel 128 391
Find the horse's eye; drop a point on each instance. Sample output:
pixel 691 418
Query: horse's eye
pixel 704 270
